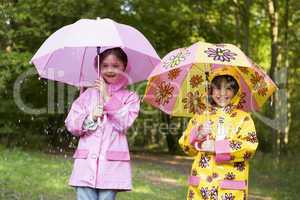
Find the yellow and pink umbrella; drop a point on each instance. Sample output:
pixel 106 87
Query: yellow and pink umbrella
pixel 179 84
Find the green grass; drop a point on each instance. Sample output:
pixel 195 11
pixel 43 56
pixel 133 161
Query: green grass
pixel 279 179
pixel 34 176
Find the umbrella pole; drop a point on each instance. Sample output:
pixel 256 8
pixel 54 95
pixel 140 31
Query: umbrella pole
pixel 206 99
pixel 196 145
pixel 98 73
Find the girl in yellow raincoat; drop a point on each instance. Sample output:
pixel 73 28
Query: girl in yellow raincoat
pixel 222 142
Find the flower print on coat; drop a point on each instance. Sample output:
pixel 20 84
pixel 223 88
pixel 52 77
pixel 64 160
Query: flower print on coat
pixel 235 145
pixel 245 196
pixel 240 166
pixel 230 176
pixel 205 193
pixel 212 111
pixel 174 60
pixel 247 155
pixel 204 161
pixel 252 137
pixel 229 108
pixel 233 114
pixel 194 172
pixel 186 148
pixel 228 196
pixel 193 102
pixel 196 80
pixel 215 175
pixel 220 54
pixel 191 195
pixel 173 74
pixel 209 179
pixel 214 193
pixel 164 93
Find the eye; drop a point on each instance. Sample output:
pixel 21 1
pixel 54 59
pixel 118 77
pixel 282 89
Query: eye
pixel 104 65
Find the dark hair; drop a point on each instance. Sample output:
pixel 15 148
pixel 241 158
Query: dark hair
pixel 216 82
pixel 118 52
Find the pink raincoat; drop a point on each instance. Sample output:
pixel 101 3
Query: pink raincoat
pixel 102 157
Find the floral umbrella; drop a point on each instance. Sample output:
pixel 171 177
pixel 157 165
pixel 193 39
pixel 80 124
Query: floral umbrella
pixel 178 85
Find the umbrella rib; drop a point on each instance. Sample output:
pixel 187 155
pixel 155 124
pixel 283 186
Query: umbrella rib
pixel 81 67
pixel 119 34
pixel 47 62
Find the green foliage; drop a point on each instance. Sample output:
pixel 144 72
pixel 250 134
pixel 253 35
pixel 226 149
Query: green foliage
pixel 168 24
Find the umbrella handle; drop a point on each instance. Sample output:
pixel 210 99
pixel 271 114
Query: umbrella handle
pixel 98 73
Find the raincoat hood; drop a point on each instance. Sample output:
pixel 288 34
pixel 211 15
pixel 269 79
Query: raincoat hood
pixel 237 100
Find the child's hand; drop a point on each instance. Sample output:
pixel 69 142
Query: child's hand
pixel 208 146
pixel 204 129
pixel 102 87
pixel 97 112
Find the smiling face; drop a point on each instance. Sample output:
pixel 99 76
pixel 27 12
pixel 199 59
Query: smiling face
pixel 224 89
pixel 223 95
pixel 111 68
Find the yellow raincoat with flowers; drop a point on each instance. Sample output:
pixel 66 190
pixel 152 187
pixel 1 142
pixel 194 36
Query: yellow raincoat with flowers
pixel 222 175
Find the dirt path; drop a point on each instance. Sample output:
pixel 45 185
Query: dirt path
pixel 181 164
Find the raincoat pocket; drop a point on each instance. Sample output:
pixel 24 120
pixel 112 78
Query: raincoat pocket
pixel 233 185
pixel 230 189
pixel 81 154
pixel 194 180
pixel 118 155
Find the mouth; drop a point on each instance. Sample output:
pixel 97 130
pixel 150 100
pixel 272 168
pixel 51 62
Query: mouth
pixel 222 98
pixel 110 75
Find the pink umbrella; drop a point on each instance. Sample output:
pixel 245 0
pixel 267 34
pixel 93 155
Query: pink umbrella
pixel 68 55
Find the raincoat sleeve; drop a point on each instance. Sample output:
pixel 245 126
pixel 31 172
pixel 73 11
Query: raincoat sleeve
pixel 77 115
pixel 188 138
pixel 241 147
pixel 122 114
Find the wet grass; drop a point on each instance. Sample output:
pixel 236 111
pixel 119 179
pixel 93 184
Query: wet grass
pixel 37 176
pixel 278 178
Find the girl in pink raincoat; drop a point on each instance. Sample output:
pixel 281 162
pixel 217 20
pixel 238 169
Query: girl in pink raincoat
pixel 102 160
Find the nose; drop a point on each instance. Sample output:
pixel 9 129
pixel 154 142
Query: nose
pixel 223 91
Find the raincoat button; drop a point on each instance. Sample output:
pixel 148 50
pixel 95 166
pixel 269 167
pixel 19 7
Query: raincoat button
pixel 92 178
pixel 94 156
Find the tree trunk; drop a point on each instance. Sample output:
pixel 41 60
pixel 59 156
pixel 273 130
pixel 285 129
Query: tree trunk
pixel 242 20
pixel 272 8
pixel 246 14
pixel 237 17
pixel 171 142
pixel 285 130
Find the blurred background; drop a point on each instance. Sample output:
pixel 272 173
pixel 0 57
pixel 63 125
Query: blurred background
pixel 35 147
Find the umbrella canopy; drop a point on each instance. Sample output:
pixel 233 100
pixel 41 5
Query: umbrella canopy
pixel 68 55
pixel 178 85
